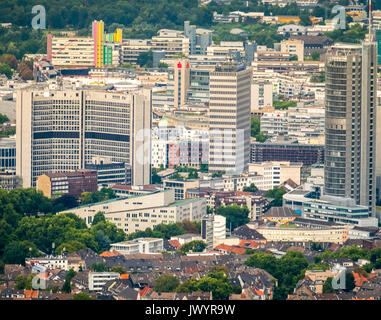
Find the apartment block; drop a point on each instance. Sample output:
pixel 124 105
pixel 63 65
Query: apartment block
pixel 97 280
pixel 261 95
pixel 293 47
pixel 71 183
pixel 173 42
pixel 275 173
pixel 70 51
pixel 131 48
pixel 350 125
pixel 334 235
pixel 139 245
pixel 307 154
pixel 180 187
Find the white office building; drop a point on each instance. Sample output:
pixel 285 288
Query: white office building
pixel 63 130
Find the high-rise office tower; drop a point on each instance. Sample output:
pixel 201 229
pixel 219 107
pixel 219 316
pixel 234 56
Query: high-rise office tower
pixel 181 80
pixel 229 124
pixel 63 130
pixel 350 125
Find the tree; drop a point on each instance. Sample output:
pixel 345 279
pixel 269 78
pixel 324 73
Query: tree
pixel 166 283
pixel 218 174
pixel 99 267
pixel 3 118
pixel 66 288
pixel 162 65
pixel 25 69
pixel 349 281
pixel 155 178
pixel 277 194
pixel 194 246
pixel 190 226
pixel 145 59
pixel 98 217
pixel 128 66
pixel 327 286
pixel 316 55
pixel 293 57
pixel 235 215
pixel 118 269
pixel 83 296
pixel 251 188
pixel 189 285
pixel 283 105
pixel 255 130
pixel 20 282
pixel 9 59
pixel 70 247
pixel 64 202
pixel 16 251
pixel 204 167
pixel 192 175
pixel 6 69
pixel 288 270
pixel 98 196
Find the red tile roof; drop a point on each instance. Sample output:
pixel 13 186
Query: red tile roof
pixel 31 294
pixel 175 243
pixel 227 248
pixel 145 291
pixel 125 276
pixel 359 279
pixel 112 253
pixel 259 292
pixel 248 244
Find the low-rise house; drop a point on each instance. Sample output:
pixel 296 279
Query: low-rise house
pixel 162 295
pixel 196 295
pixel 127 294
pixel 247 233
pixel 142 280
pixel 81 280
pixel 12 271
pixel 75 262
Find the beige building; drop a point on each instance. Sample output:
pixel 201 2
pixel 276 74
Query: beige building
pixel 180 187
pixel 140 245
pixel 224 48
pixel 62 130
pixel 70 51
pixel 229 112
pixel 146 211
pixel 131 48
pixel 181 82
pixel 261 96
pixel 350 122
pixel 173 42
pixel 376 19
pixel 334 235
pixel 277 172
pixel 293 47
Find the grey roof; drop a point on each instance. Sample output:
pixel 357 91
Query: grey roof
pixel 129 294
pixel 244 232
pixel 280 212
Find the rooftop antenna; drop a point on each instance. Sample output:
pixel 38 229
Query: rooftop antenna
pixel 370 20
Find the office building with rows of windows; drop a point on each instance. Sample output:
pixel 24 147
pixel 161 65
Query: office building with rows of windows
pixel 229 124
pixel 350 124
pixel 64 130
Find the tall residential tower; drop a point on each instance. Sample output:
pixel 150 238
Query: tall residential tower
pixel 350 125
